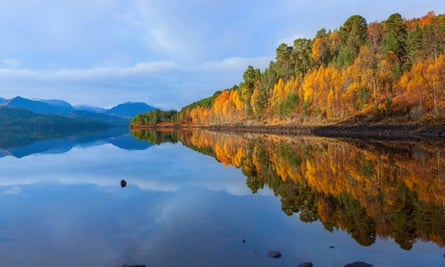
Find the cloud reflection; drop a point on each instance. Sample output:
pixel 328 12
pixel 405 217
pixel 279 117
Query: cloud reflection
pixel 165 168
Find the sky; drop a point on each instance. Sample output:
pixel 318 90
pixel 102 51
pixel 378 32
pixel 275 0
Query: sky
pixel 165 53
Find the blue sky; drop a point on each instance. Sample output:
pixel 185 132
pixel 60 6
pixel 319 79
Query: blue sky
pixel 166 53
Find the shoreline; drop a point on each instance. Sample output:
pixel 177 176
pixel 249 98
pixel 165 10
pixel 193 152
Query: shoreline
pixel 383 132
pixel 359 131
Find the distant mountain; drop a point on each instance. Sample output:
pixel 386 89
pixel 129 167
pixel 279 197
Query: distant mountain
pixel 109 119
pixel 60 105
pixel 129 109
pixel 34 106
pixel 18 120
pixel 90 108
pixel 119 115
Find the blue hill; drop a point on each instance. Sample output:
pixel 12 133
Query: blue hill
pixel 129 109
pixel 35 106
pixel 60 105
pixel 119 115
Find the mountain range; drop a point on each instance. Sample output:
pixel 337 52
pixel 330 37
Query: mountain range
pixel 117 115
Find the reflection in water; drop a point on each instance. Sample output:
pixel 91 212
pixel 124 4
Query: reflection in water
pixel 27 143
pixel 381 189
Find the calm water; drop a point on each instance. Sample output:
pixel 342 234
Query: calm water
pixel 326 201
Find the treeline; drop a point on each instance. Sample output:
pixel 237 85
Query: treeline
pixel 155 116
pixel 396 66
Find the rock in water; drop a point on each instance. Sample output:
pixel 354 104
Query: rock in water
pixel 274 254
pixel 359 264
pixel 123 183
pixel 305 264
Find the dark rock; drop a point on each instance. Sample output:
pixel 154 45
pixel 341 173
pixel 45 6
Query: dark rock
pixel 305 264
pixel 274 254
pixel 331 246
pixel 359 264
pixel 123 183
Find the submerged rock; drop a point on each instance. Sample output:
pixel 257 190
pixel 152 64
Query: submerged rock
pixel 305 264
pixel 274 254
pixel 359 264
pixel 124 184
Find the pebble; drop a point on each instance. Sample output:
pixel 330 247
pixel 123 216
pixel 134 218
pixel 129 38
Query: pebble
pixel 274 254
pixel 358 264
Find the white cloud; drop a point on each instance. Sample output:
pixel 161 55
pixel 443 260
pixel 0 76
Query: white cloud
pixel 105 166
pixel 164 84
pixel 101 72
pixel 9 63
pixel 237 63
pixel 89 73
pixel 290 39
pixel 160 37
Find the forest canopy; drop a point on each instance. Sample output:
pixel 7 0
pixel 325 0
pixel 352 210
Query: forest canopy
pixel 395 67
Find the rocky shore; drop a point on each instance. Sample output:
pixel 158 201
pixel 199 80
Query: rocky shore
pixel 379 131
pixel 382 131
pixel 360 131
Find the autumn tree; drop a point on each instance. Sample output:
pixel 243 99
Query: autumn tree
pixel 436 83
pixel 320 48
pixel 374 36
pixel 434 37
pixel 362 75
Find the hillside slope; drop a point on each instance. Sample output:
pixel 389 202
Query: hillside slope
pixel 388 72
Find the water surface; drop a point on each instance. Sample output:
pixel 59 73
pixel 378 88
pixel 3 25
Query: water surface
pixel 211 199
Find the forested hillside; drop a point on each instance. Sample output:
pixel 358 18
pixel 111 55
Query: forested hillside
pixel 14 120
pixel 394 68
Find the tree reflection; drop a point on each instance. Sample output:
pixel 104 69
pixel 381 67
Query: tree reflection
pixel 156 137
pixel 381 189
